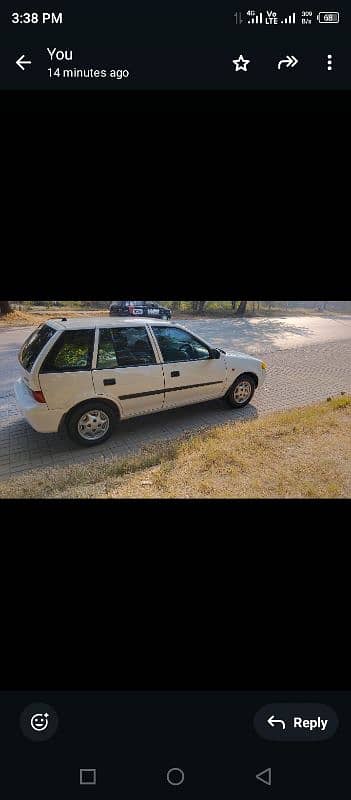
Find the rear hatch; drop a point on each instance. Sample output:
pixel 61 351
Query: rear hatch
pixel 30 352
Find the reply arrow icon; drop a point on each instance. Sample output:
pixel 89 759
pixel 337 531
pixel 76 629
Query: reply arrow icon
pixel 272 722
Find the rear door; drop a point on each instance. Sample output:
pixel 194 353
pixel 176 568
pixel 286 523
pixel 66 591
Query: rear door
pixel 190 374
pixel 128 370
pixel 65 376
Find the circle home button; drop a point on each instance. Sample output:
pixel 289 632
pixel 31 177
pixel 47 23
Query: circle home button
pixel 175 776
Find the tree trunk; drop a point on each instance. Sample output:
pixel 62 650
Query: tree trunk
pixel 198 306
pixel 242 308
pixel 5 307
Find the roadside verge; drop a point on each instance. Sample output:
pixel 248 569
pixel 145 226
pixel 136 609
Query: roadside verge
pixel 303 453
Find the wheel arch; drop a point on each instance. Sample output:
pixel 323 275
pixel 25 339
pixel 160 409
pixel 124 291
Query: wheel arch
pixel 243 375
pixel 104 400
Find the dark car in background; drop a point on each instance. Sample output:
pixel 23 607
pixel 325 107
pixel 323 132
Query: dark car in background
pixel 139 308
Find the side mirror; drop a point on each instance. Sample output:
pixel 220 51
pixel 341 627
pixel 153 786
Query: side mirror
pixel 214 353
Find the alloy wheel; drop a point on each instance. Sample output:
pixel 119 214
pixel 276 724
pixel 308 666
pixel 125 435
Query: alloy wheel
pixel 93 425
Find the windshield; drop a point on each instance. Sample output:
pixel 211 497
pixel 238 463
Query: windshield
pixel 34 345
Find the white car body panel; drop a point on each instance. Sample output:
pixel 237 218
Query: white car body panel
pixel 238 363
pixel 145 381
pixel 138 390
pixel 65 389
pixel 204 379
pixel 38 415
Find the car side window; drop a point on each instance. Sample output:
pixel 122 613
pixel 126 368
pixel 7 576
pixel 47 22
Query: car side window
pixel 107 358
pixel 177 345
pixel 124 347
pixel 71 353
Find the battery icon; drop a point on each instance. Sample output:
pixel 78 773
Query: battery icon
pixel 328 16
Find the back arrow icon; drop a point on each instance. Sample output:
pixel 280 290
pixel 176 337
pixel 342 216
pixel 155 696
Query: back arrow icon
pixel 20 63
pixel 265 776
pixel 289 61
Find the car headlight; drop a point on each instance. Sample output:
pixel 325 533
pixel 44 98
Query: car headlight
pixel 264 365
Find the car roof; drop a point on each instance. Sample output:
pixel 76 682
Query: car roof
pixel 81 323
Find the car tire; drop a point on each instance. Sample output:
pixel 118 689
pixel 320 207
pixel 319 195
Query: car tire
pixel 242 391
pixel 91 423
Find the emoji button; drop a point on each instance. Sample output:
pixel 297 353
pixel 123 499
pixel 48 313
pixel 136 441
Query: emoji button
pixel 38 722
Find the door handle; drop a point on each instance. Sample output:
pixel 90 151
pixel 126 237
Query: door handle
pixel 175 374
pixel 110 382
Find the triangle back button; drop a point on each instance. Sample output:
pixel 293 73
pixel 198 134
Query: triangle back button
pixel 265 777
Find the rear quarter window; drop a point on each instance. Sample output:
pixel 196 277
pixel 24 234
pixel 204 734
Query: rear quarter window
pixel 72 352
pixel 34 345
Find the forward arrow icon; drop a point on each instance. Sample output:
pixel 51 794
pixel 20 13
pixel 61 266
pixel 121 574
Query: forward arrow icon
pixel 289 61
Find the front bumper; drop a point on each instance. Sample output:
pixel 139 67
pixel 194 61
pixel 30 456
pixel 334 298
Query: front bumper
pixel 262 374
pixel 37 414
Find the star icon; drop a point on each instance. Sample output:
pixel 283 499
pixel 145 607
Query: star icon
pixel 241 63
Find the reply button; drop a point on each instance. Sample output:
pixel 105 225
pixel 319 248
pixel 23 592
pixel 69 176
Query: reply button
pixel 299 722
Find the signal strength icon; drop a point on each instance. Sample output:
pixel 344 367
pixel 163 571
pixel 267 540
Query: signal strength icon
pixel 256 19
pixel 290 20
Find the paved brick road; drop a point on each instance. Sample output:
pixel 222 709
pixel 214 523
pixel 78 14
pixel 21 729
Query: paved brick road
pixel 295 377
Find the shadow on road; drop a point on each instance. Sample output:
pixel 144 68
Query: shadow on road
pixel 334 315
pixel 193 418
pixel 255 331
pixel 134 434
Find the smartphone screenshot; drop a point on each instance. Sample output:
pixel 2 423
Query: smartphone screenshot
pixel 176 744
pixel 135 48
pixel 165 470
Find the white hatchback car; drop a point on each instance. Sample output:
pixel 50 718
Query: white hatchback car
pixel 86 375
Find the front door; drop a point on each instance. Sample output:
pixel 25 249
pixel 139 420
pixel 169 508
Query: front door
pixel 191 375
pixel 127 370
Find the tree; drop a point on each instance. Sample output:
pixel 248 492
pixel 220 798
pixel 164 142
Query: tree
pixel 242 308
pixel 198 306
pixel 5 307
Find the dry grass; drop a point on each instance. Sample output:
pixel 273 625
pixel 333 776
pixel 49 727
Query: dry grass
pixel 19 318
pixel 24 318
pixel 304 453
